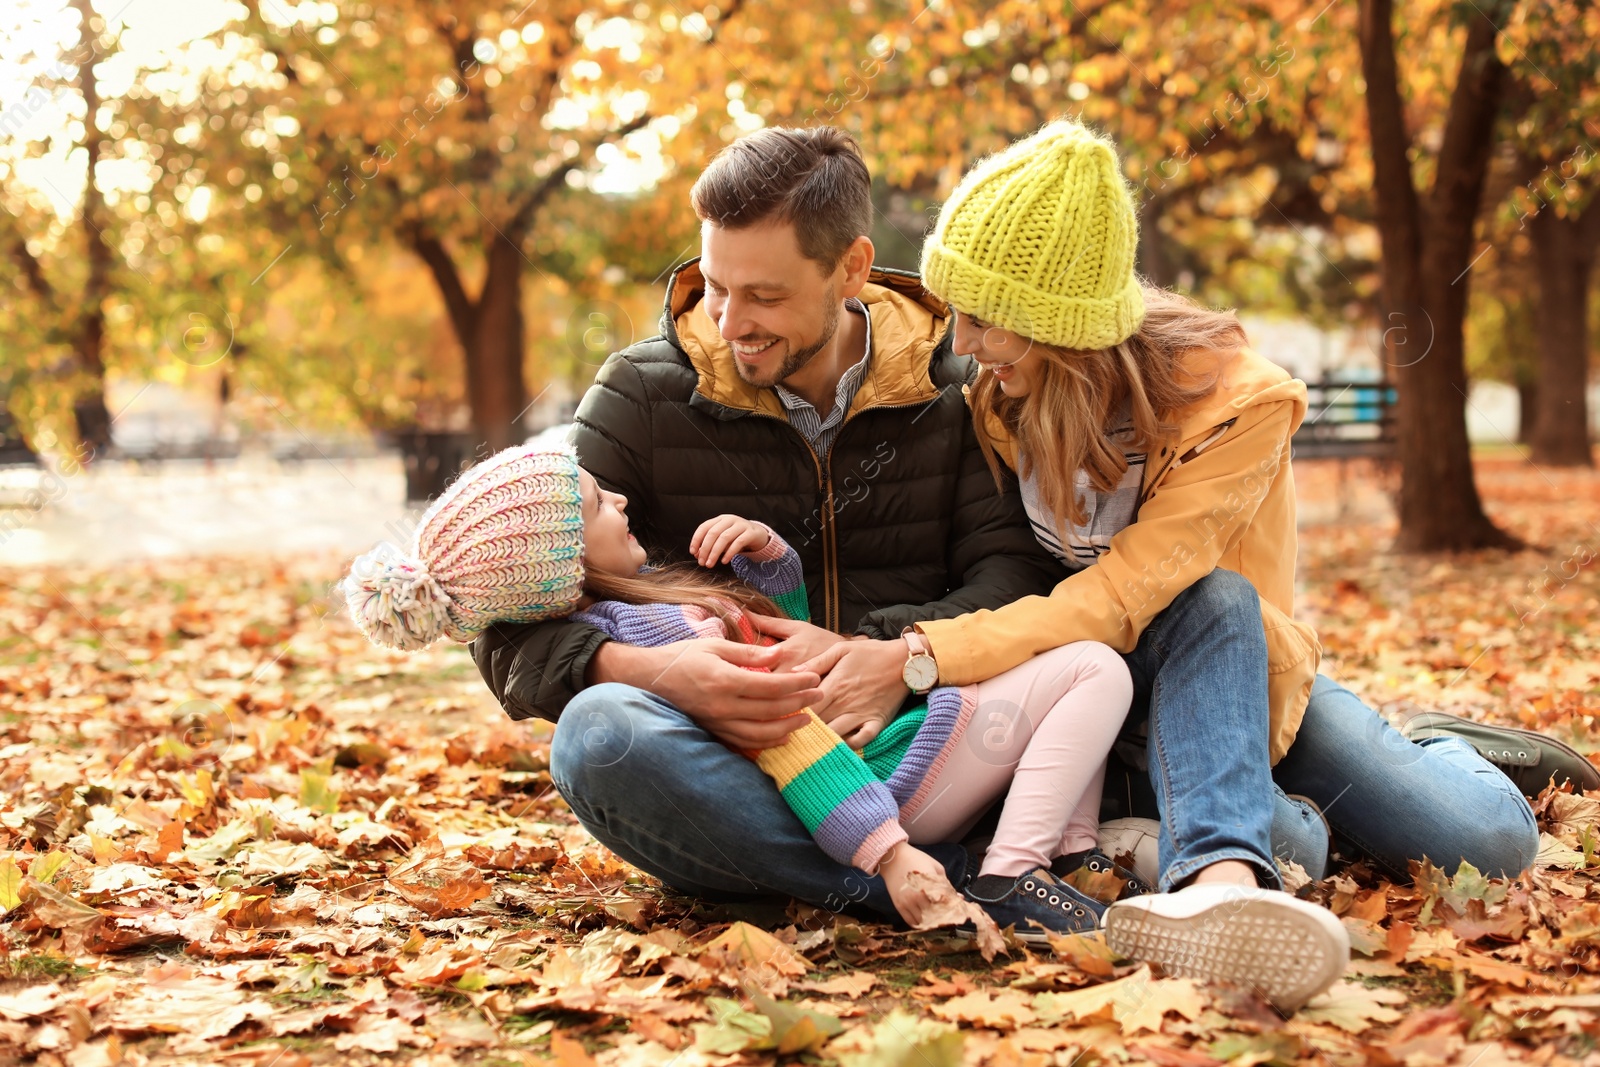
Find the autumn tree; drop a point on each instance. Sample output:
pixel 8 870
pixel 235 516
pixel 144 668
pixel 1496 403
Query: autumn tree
pixel 65 293
pixel 1556 114
pixel 450 131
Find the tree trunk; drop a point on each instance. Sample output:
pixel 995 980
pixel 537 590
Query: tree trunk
pixel 1527 408
pixel 89 408
pixel 1563 252
pixel 490 332
pixel 1155 263
pixel 1424 272
pixel 496 388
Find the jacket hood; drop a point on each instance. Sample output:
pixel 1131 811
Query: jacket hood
pixel 1244 379
pixel 908 322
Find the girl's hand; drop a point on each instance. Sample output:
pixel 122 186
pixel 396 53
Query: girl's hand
pixel 916 899
pixel 718 540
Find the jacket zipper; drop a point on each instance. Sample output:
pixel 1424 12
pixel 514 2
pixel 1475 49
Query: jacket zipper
pixel 825 487
pixel 832 543
pixel 829 529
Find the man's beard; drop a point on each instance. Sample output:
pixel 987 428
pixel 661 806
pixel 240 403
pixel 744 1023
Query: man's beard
pixel 795 361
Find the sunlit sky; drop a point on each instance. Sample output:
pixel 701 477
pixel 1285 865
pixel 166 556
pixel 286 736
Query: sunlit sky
pixel 38 37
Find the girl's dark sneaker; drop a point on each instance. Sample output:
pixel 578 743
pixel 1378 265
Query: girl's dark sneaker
pixel 1035 897
pixel 1094 874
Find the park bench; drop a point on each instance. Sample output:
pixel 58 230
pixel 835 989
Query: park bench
pixel 21 470
pixel 1347 420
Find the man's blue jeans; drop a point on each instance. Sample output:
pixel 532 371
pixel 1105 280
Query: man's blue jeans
pixel 665 796
pixel 1200 672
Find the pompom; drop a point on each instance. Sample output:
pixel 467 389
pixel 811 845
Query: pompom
pixel 395 601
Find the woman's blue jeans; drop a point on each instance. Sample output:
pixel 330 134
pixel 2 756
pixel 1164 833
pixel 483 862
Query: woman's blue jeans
pixel 664 795
pixel 1200 672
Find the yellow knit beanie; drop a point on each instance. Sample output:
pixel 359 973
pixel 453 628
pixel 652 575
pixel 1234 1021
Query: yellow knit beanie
pixel 1040 240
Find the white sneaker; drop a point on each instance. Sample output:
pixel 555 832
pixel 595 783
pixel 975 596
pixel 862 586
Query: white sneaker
pixel 1286 949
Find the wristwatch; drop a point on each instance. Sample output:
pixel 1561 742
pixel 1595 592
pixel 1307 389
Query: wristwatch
pixel 920 673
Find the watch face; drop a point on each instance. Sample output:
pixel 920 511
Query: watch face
pixel 921 673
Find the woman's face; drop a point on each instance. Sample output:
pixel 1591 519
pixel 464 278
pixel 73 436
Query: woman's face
pixel 607 544
pixel 1010 357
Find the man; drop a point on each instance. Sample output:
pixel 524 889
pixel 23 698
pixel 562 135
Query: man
pixel 795 384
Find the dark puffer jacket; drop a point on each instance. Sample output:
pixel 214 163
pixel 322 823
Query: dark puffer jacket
pixel 900 523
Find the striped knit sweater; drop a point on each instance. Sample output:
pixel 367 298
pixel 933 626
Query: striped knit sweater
pixel 851 803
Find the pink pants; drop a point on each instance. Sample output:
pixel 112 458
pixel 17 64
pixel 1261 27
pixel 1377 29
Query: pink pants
pixel 1043 729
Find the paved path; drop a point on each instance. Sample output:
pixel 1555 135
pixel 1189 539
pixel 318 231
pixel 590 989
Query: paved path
pixel 116 511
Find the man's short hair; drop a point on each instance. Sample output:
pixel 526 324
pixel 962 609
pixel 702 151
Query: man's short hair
pixel 812 178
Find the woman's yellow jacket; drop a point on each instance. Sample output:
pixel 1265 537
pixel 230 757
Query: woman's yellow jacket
pixel 1231 504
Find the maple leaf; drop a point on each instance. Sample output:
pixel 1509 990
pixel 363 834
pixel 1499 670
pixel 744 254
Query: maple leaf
pixel 568 1052
pixel 10 884
pixel 999 1011
pixel 30 1002
pixel 1137 1002
pixel 947 907
pixel 756 954
pixel 1353 1007
pixel 1089 953
pixel 438 884
pixel 438 963
pixel 795 1029
pixel 899 1039
pixel 1569 816
pixel 852 985
pixel 1367 938
pixel 1276 1048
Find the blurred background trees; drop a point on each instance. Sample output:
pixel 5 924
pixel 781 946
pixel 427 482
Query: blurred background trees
pixel 443 215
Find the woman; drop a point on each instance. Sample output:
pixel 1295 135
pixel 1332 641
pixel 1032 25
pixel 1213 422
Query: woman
pixel 1153 450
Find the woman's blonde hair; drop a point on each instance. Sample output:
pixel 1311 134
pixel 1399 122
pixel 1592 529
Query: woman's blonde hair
pixel 1060 426
pixel 684 584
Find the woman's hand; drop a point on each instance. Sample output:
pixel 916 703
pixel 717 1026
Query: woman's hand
pixel 915 899
pixel 862 687
pixel 718 540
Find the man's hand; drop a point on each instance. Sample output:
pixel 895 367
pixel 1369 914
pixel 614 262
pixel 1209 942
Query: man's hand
pixel 862 687
pixel 798 641
pixel 707 679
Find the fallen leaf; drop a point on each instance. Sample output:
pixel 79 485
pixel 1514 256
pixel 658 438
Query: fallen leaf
pixel 899 1039
pixel 438 884
pixel 1089 953
pixel 852 985
pixel 568 1052
pixel 946 907
pixel 1353 1007
pixel 30 1002
pixel 1137 1002
pixel 1005 1010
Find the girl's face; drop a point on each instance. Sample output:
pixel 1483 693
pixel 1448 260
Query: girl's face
pixel 1010 357
pixel 607 544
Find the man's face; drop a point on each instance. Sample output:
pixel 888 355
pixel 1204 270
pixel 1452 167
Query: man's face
pixel 775 307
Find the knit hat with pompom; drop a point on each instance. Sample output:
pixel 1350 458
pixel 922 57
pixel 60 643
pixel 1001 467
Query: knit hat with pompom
pixel 504 543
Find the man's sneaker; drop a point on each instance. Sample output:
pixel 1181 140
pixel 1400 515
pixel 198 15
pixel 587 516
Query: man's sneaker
pixel 1286 949
pixel 1529 759
pixel 1035 897
pixel 1094 874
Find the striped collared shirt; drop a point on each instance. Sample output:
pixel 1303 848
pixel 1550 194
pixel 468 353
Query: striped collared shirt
pixel 820 431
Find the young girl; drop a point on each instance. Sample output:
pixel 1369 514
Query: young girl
pixel 529 535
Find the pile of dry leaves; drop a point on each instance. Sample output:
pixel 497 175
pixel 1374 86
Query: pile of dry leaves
pixel 233 832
